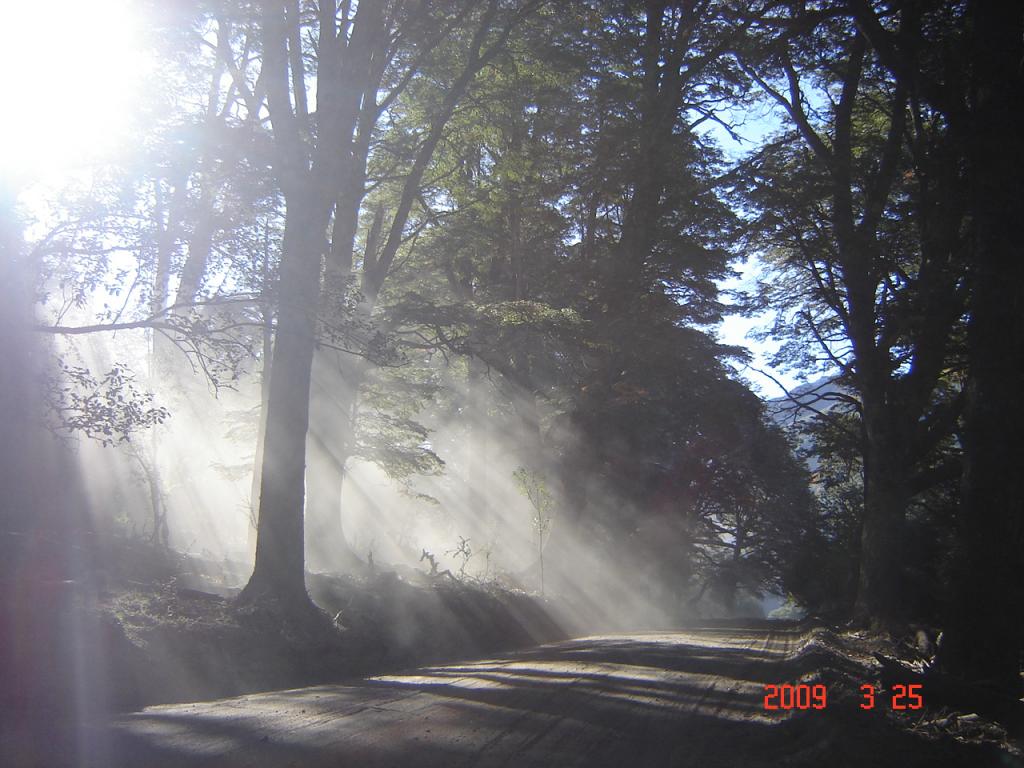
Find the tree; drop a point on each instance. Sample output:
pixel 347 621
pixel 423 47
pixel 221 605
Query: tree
pixel 654 253
pixel 958 59
pixel 321 175
pixel 861 204
pixel 985 633
pixel 593 338
pixel 752 513
pixel 308 173
pixel 452 48
pixel 532 486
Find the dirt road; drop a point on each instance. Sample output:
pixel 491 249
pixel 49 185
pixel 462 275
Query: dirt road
pixel 667 699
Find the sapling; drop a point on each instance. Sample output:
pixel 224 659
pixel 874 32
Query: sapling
pixel 463 551
pixel 532 485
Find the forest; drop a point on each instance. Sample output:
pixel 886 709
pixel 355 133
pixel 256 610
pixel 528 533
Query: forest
pixel 339 337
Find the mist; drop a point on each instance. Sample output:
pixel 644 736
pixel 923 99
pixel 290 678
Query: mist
pixel 197 468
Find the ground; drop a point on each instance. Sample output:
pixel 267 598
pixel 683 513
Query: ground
pixel 143 663
pixel 692 697
pixel 144 625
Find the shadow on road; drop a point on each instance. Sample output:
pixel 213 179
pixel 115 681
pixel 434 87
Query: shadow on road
pixel 686 698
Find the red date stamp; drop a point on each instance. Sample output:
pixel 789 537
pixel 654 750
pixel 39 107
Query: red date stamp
pixel 802 696
pixel 795 696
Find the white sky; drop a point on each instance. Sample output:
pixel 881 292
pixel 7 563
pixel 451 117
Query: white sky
pixel 72 71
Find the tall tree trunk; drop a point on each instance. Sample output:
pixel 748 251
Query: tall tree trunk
pixel 200 240
pixel 985 636
pixel 169 217
pixel 261 435
pixel 337 379
pixel 200 244
pixel 880 586
pixel 335 400
pixel 21 472
pixel 624 282
pixel 279 571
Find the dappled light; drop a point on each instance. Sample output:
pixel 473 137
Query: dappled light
pixel 565 693
pixel 566 704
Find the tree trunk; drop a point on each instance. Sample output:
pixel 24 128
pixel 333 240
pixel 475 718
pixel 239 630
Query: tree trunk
pixel 168 225
pixel 337 379
pixel 200 244
pixel 279 572
pixel 880 588
pixel 333 443
pixel 261 434
pixel 325 506
pixel 985 636
pixel 22 473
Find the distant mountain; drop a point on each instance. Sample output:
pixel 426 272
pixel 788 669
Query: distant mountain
pixel 787 411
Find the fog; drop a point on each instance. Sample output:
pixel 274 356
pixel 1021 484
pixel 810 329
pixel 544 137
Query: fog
pixel 470 513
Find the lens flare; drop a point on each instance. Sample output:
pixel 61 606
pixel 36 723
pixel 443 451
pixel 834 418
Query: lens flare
pixel 71 78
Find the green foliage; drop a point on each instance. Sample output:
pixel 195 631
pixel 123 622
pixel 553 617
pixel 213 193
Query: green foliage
pixel 534 487
pixel 860 205
pixel 109 408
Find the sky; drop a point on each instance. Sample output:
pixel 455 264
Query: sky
pixel 70 84
pixel 752 127
pixel 734 330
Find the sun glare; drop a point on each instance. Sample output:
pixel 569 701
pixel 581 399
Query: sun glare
pixel 71 73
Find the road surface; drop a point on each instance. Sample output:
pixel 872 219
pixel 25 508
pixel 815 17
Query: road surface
pixel 660 699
